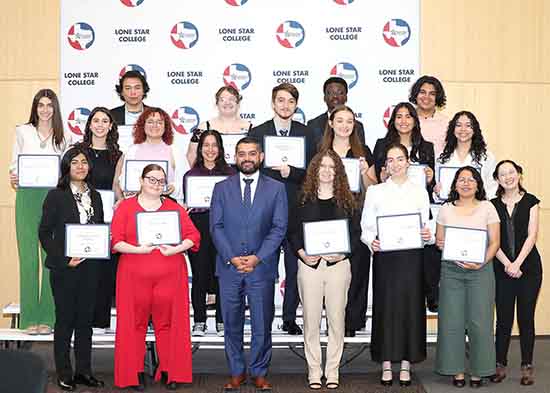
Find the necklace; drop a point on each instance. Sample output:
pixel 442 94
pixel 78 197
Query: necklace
pixel 43 141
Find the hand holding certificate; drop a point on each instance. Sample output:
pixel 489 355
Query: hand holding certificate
pixel 38 171
pixel 158 228
pixel 198 190
pixel 327 237
pixel 88 241
pixel 400 232
pixel 465 245
pixel 289 150
pixel 353 172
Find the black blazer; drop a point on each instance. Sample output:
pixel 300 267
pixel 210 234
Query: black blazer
pixel 317 127
pixel 294 180
pixel 119 114
pixel 311 211
pixel 59 209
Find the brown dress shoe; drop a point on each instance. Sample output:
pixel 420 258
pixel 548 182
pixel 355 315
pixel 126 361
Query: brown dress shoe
pixel 234 383
pixel 262 384
pixel 527 375
pixel 500 374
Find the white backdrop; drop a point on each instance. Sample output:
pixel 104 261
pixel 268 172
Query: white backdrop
pixel 189 48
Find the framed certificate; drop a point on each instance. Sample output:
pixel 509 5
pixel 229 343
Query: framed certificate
pixel 465 244
pixel 445 176
pixel 38 171
pixel 198 190
pixel 158 227
pixel 417 174
pixel 133 170
pixel 353 171
pixel 399 231
pixel 290 150
pixel 229 144
pixel 88 241
pixel 125 137
pixel 108 200
pixel 327 237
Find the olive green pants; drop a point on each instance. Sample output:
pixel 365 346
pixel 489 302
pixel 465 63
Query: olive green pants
pixel 35 293
pixel 466 304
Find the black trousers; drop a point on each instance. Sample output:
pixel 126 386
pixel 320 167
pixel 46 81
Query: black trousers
pixel 291 297
pixel 432 272
pixel 74 292
pixel 203 267
pixel 522 291
pixel 356 309
pixel 105 292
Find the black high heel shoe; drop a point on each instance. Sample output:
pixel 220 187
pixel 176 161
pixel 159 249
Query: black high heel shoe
pixel 67 385
pixel 88 380
pixel 405 382
pixel 385 382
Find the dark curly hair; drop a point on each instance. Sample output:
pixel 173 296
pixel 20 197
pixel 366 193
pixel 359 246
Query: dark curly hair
pixel 112 135
pixel 357 148
pixel 392 136
pixel 132 74
pixel 139 127
pixel 480 193
pixel 220 160
pixel 342 194
pixel 440 97
pixel 519 170
pixel 478 150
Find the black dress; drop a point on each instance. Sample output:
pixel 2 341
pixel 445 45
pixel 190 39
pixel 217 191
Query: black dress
pixel 102 174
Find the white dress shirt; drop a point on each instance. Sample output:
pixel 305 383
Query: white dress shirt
pixel 255 176
pixel 390 198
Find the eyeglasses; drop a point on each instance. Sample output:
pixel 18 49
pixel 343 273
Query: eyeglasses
pixel 154 181
pixel 153 123
pixel 464 180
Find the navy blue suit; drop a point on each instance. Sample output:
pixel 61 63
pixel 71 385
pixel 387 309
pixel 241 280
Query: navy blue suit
pixel 238 231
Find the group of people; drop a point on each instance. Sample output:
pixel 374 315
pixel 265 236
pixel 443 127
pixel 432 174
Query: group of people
pixel 234 244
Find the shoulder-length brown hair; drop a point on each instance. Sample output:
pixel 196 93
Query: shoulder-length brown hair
pixel 357 148
pixel 139 127
pixel 342 194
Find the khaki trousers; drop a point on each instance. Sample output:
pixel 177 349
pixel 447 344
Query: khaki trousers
pixel 330 283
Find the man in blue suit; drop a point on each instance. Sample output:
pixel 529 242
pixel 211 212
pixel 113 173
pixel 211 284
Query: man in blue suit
pixel 248 222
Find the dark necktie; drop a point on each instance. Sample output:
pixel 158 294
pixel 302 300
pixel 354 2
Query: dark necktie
pixel 283 132
pixel 247 193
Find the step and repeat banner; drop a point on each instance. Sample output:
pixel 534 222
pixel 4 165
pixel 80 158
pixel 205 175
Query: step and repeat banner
pixel 187 49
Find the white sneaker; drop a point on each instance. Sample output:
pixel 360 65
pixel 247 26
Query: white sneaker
pixel 219 329
pixel 199 329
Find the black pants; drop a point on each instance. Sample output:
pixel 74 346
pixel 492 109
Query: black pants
pixel 432 272
pixel 522 291
pixel 356 309
pixel 105 292
pixel 203 266
pixel 74 292
pixel 291 297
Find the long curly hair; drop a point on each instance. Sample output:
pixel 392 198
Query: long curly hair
pixel 478 149
pixel 392 136
pixel 356 146
pixel 112 135
pixel 139 127
pixel 342 194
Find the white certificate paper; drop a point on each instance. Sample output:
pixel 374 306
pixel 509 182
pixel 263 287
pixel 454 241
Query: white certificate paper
pixel 353 171
pixel 198 190
pixel 327 237
pixel 399 231
pixel 158 227
pixel 125 137
pixel 446 175
pixel 464 245
pixel 88 241
pixel 229 145
pixel 133 170
pixel 417 174
pixel 108 200
pixel 290 150
pixel 38 171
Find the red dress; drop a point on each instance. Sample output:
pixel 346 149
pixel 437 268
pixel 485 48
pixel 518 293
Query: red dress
pixel 151 284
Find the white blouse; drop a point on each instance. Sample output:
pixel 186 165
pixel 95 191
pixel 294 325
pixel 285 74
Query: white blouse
pixel 487 168
pixel 391 198
pixel 27 141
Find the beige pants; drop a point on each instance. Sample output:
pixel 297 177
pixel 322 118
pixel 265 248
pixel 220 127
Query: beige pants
pixel 330 283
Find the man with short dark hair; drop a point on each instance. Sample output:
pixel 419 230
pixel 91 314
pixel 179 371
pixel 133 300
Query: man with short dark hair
pixel 132 89
pixel 335 90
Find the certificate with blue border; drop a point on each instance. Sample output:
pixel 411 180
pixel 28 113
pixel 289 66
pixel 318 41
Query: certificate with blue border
pixel 91 241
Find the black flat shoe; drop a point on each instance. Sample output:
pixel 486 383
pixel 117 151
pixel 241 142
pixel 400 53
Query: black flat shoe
pixel 171 385
pixel 475 383
pixel 67 385
pixel 164 380
pixel 292 328
pixel 88 380
pixel 459 383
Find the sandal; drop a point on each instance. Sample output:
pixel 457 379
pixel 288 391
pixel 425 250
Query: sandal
pixel 333 385
pixel 315 385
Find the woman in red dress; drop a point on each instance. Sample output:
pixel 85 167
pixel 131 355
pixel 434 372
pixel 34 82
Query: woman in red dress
pixel 152 280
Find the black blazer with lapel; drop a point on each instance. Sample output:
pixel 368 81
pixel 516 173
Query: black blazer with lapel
pixel 317 127
pixel 119 114
pixel 59 209
pixel 294 180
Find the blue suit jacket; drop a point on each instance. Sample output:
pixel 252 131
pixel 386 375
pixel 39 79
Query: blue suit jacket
pixel 260 231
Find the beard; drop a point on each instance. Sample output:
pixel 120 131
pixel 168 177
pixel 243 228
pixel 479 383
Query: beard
pixel 249 170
